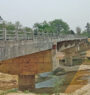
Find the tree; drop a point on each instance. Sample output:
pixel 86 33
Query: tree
pixel 10 26
pixel 71 32
pixel 84 33
pixel 27 29
pixel 55 26
pixel 88 29
pixel 42 27
pixel 59 26
pixel 1 20
pixel 18 25
pixel 78 30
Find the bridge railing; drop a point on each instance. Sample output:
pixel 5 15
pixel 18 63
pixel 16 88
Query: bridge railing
pixel 23 35
pixel 14 35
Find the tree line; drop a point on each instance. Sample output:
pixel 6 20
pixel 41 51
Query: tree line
pixel 85 32
pixel 56 26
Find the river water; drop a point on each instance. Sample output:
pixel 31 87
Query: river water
pixel 70 81
pixel 50 82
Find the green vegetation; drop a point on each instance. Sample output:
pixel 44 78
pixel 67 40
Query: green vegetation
pixel 26 91
pixel 45 94
pixel 85 32
pixel 58 83
pixel 15 90
pixel 55 26
pixel 12 28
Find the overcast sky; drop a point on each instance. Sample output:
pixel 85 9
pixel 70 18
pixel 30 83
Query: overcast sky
pixel 74 12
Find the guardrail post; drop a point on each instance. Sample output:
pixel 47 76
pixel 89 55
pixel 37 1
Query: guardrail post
pixel 32 35
pixel 25 35
pixel 16 34
pixel 5 34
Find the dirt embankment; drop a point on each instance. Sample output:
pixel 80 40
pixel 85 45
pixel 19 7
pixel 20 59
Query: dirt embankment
pixel 7 81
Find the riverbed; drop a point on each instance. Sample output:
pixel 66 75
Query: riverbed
pixel 49 83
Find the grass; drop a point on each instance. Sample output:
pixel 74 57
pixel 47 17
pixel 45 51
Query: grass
pixel 57 86
pixel 9 91
pixel 26 91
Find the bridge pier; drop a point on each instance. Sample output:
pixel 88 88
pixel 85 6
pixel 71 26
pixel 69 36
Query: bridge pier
pixel 55 61
pixel 68 60
pixel 26 82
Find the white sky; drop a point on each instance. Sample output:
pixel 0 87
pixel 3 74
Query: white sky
pixel 74 12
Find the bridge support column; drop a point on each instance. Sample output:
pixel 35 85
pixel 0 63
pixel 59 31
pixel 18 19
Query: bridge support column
pixel 68 60
pixel 55 61
pixel 26 82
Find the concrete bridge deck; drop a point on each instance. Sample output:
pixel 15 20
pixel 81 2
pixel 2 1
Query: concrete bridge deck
pixel 15 45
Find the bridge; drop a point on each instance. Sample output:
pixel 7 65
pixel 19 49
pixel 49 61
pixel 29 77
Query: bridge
pixel 27 54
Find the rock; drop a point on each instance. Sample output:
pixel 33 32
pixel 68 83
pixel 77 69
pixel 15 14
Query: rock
pixel 45 75
pixel 59 71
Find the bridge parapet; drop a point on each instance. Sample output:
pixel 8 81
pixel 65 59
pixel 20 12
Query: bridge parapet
pixel 18 35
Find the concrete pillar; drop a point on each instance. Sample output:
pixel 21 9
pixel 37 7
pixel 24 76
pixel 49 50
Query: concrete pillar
pixel 5 34
pixel 25 35
pixel 16 34
pixel 26 82
pixel 32 35
pixel 68 60
pixel 55 61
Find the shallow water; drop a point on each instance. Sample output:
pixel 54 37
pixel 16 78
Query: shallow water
pixel 82 77
pixel 51 82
